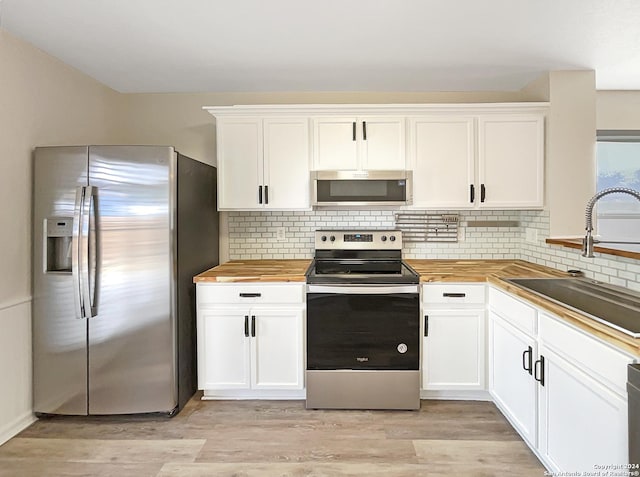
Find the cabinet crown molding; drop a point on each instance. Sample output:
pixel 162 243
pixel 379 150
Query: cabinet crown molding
pixel 375 109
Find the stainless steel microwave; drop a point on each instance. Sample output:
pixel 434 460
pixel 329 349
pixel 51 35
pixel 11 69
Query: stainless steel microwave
pixel 360 188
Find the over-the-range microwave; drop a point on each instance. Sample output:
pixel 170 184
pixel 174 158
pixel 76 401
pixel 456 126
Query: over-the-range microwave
pixel 361 188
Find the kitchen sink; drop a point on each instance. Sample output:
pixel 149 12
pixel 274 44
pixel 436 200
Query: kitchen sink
pixel 614 306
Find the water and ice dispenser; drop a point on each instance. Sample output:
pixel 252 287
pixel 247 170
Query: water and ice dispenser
pixel 59 231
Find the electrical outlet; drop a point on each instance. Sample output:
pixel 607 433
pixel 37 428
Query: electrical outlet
pixel 531 235
pixel 281 234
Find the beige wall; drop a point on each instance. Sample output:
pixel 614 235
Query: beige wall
pixel 618 109
pixel 178 119
pixel 42 102
pixel 570 162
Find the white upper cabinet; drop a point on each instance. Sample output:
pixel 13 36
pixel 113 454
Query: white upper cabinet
pixel 359 143
pixel 492 160
pixel 443 161
pixel 240 159
pixel 463 156
pixel 511 161
pixel 286 163
pixel 263 163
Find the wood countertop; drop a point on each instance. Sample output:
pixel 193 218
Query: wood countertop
pixel 458 271
pixel 259 271
pixel 478 270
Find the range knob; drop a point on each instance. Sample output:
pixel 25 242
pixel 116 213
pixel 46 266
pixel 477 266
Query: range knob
pixel 392 238
pixel 323 238
pixel 332 238
pixel 383 238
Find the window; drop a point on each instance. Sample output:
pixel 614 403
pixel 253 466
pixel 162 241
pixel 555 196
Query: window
pixel 618 165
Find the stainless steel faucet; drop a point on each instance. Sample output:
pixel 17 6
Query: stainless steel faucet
pixel 589 241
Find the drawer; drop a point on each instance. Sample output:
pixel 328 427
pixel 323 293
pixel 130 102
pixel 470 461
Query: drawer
pixel 453 294
pixel 516 312
pixel 600 360
pixel 249 294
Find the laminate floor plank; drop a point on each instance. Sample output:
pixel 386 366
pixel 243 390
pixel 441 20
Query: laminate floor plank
pixel 128 451
pixel 275 438
pixel 44 468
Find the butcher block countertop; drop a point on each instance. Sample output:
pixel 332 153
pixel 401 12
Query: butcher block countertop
pixel 452 271
pixel 258 271
pixel 478 270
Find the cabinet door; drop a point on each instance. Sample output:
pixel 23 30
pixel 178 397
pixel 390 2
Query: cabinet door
pixel 277 348
pixel 224 351
pixel 239 163
pixel 512 387
pixel 582 423
pixel 286 163
pixel 453 350
pixel 335 145
pixel 511 161
pixel 442 152
pixel 382 143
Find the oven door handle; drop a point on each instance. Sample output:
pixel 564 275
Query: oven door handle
pixel 363 290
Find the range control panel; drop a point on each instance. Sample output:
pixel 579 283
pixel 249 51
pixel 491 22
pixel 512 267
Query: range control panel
pixel 358 240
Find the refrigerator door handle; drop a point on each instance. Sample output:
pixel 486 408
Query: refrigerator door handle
pixel 85 287
pixel 93 247
pixel 76 257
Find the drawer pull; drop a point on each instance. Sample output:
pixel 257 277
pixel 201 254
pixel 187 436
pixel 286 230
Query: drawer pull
pixel 539 376
pixel 454 295
pixel 250 295
pixel 527 360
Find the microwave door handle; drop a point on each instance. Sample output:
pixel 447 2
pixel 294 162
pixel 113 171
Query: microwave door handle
pixel 76 257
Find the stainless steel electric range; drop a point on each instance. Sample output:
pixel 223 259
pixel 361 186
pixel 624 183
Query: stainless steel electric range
pixel 363 323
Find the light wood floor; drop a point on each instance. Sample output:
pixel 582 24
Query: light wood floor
pixel 276 438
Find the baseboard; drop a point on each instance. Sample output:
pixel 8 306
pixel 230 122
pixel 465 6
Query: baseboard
pixel 15 427
pixel 456 395
pixel 267 394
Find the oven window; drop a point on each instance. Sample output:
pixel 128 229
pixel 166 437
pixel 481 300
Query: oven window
pixel 363 331
pixel 361 190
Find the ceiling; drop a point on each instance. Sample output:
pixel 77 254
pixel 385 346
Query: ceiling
pixel 332 45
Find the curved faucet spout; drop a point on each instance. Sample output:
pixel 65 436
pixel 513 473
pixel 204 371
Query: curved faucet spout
pixel 587 242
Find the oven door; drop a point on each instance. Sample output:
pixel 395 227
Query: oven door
pixel 363 327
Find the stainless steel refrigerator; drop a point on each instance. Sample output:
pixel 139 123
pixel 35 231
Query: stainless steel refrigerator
pixel 118 234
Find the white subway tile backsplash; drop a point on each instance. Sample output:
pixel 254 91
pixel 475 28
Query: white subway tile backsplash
pixel 253 235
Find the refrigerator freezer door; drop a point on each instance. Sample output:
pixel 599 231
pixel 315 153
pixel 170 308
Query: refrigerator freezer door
pixel 59 336
pixel 132 364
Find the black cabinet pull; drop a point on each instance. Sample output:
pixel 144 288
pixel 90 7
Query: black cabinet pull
pixel 539 376
pixel 426 325
pixel 472 188
pixel 253 326
pixel 354 131
pixel 454 295
pixel 259 194
pixel 364 130
pixel 250 295
pixel 266 194
pixel 246 326
pixel 527 358
pixel 483 192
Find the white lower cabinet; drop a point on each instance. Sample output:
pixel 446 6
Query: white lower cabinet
pixel 253 350
pixel 453 348
pixel 583 424
pixel 561 388
pixel 511 385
